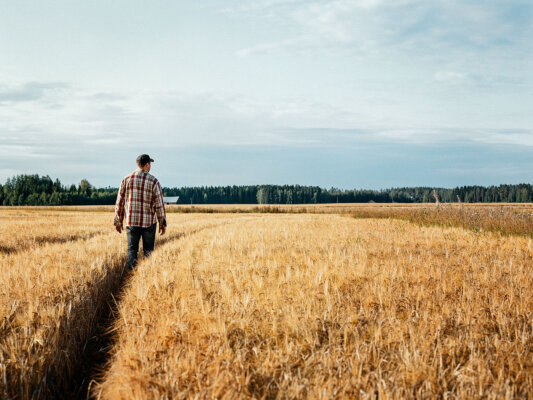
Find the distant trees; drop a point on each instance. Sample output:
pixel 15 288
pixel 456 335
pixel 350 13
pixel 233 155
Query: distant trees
pixel 85 187
pixel 296 194
pixel 262 196
pixel 36 190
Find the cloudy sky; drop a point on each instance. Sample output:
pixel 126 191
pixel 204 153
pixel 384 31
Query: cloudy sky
pixel 344 93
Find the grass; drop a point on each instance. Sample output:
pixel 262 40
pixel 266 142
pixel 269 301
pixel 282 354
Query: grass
pixel 505 219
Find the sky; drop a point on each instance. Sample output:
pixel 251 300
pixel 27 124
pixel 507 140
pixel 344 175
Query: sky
pixel 343 93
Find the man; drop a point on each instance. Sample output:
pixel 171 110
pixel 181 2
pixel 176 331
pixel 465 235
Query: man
pixel 140 199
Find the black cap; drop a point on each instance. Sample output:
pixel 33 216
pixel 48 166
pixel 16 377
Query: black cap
pixel 144 159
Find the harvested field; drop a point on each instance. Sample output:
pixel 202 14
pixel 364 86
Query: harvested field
pixel 255 305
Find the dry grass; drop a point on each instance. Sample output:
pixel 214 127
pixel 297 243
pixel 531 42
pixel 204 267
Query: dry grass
pixel 313 306
pixel 508 219
pixel 53 292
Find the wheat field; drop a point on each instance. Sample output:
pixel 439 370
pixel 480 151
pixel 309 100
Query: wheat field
pixel 268 306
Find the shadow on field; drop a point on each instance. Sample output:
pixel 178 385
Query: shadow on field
pixel 53 368
pixel 96 352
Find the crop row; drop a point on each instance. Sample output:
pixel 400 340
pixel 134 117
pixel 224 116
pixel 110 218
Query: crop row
pixel 295 306
pixel 52 297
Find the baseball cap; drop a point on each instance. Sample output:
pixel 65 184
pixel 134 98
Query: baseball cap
pixel 144 159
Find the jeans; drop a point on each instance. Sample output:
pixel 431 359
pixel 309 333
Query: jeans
pixel 134 234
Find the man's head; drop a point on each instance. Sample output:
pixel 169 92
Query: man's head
pixel 144 162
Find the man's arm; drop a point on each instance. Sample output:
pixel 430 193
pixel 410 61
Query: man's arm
pixel 119 206
pixel 160 207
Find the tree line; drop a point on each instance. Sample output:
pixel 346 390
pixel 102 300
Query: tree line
pixel 37 190
pixel 296 194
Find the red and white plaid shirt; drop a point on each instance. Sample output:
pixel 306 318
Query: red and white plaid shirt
pixel 140 199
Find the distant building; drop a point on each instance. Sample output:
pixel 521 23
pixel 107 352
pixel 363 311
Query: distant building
pixel 171 200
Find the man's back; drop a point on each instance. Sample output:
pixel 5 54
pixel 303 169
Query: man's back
pixel 140 200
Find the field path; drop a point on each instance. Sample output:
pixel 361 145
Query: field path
pixel 263 306
pixel 55 297
pixel 323 306
pixel 96 353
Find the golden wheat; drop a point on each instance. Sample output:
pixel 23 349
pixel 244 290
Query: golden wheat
pixel 53 293
pixel 23 229
pixel 507 218
pixel 313 306
pixel 274 306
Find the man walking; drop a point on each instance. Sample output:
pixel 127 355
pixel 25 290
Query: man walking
pixel 140 199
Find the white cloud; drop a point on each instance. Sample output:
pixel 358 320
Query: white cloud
pixel 85 125
pixel 74 120
pixel 371 27
pixel 29 91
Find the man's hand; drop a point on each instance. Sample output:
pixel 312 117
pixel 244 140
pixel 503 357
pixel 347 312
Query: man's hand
pixel 118 228
pixel 162 229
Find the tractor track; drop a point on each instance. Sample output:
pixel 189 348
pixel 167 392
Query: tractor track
pixel 96 351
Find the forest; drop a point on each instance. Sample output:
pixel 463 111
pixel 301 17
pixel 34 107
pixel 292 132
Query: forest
pixel 37 190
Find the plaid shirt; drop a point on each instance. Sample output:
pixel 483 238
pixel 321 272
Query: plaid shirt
pixel 141 200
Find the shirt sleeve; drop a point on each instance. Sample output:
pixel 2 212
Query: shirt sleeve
pixel 119 204
pixel 159 204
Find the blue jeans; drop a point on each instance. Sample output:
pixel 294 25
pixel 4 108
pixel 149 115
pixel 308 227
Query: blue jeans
pixel 134 234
